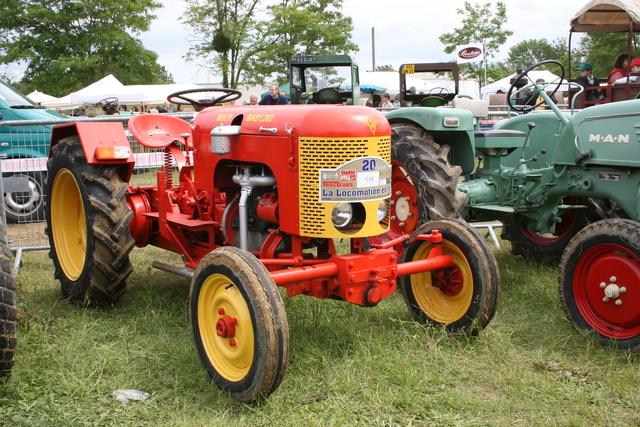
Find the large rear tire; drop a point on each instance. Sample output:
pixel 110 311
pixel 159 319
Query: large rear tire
pixel 239 324
pixel 599 282
pixel 463 297
pixel 8 310
pixel 424 184
pixel 87 225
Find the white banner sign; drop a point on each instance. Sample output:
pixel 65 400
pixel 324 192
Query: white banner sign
pixel 470 52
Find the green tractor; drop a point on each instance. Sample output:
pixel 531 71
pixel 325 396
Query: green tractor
pixel 579 190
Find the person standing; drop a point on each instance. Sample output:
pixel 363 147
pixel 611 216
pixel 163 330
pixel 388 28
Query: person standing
pixel 274 97
pixel 253 99
pixel 386 101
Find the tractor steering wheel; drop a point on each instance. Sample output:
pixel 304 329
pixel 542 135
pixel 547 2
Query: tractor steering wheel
pixel 439 91
pixel 107 102
pixel 180 97
pixel 537 88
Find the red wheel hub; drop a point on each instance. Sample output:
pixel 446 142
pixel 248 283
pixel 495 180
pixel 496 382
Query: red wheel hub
pixel 605 288
pixel 226 327
pixel 449 280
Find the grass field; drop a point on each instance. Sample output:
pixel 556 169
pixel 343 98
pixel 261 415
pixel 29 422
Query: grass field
pixel 348 366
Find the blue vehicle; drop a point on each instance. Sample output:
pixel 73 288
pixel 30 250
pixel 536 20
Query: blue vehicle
pixel 25 149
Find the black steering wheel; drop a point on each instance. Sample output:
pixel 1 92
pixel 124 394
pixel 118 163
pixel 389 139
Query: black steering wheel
pixel 107 102
pixel 439 91
pixel 109 105
pixel 180 97
pixel 537 87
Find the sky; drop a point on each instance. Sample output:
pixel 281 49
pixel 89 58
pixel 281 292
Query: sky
pixel 406 31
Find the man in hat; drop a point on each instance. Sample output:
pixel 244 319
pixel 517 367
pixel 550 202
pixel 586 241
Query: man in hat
pixel 587 79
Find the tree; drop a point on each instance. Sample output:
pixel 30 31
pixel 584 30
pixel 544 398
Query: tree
pixel 528 52
pixel 480 25
pixel 387 67
pixel 298 27
pixel 223 31
pixel 69 44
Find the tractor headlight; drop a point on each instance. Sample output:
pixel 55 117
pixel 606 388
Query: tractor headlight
pixel 382 210
pixel 342 215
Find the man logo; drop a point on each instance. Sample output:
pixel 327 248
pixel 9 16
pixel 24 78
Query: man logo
pixel 622 139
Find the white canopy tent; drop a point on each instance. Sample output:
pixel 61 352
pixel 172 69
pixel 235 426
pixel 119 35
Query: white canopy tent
pixel 39 97
pixel 63 103
pixel 504 84
pixel 109 87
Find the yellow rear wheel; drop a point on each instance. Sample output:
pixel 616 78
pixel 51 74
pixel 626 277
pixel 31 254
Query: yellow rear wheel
pixel 87 225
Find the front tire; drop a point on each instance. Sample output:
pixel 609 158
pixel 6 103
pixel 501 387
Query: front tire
pixel 463 297
pixel 8 310
pixel 599 282
pixel 87 225
pixel 239 324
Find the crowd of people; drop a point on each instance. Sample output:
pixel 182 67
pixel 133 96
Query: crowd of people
pixel 618 75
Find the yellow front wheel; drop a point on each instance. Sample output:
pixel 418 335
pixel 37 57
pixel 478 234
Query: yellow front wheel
pixel 239 325
pixel 463 297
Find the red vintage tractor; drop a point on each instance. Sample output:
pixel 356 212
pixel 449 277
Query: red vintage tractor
pixel 259 196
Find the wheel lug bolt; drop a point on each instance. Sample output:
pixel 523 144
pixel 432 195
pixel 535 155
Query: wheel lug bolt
pixel 618 302
pixel 605 299
pixel 221 311
pixel 603 285
pixel 613 279
pixel 232 343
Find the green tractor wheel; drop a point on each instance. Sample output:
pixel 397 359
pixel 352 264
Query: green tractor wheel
pixel 424 182
pixel 239 324
pixel 463 297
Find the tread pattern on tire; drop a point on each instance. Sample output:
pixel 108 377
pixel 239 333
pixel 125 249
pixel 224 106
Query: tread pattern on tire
pixel 109 242
pixel 435 179
pixel 8 309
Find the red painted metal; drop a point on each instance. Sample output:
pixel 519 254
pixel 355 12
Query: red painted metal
pixel 153 131
pixel 598 265
pixel 226 327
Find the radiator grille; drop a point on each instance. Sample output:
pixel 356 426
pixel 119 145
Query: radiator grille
pixel 329 153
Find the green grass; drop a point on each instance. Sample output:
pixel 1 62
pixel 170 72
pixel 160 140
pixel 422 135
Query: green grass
pixel 348 366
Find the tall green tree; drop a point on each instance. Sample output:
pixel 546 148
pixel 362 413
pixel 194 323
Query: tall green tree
pixel 528 52
pixel 222 31
pixel 299 27
pixel 68 44
pixel 481 24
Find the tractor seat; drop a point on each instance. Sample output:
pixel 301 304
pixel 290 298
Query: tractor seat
pixel 328 96
pixel 432 101
pixel 498 141
pixel 159 131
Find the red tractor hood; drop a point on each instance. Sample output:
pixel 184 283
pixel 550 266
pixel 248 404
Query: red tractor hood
pixel 334 121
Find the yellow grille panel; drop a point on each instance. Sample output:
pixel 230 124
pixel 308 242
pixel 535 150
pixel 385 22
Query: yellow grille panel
pixel 330 153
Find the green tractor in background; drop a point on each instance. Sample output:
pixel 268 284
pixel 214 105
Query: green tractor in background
pixel 579 189
pixel 565 185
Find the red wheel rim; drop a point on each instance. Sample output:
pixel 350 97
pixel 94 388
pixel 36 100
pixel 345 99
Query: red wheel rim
pixel 404 213
pixel 605 289
pixel 562 230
